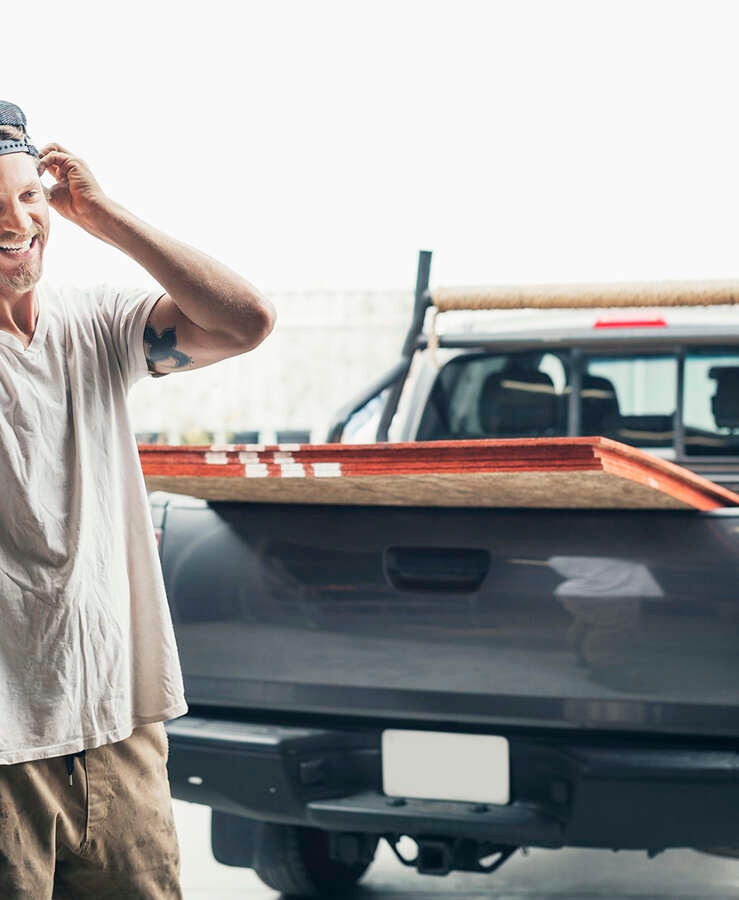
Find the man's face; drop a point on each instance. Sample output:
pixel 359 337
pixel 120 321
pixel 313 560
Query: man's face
pixel 24 223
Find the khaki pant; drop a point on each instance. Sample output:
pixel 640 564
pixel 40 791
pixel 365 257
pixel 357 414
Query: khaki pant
pixel 110 835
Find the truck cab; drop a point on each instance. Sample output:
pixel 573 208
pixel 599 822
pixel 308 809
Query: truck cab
pixel 665 380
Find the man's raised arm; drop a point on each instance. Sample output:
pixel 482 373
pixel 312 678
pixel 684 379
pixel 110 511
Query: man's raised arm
pixel 208 312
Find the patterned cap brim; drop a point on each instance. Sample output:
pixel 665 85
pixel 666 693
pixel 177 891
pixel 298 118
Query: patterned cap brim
pixel 13 115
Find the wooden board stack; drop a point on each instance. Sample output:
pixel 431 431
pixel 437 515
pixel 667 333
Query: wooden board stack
pixel 554 473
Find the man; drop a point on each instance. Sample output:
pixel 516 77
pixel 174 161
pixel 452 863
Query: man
pixel 88 664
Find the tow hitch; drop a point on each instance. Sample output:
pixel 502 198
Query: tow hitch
pixel 440 856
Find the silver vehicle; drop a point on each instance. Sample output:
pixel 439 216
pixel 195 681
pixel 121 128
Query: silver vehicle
pixel 483 677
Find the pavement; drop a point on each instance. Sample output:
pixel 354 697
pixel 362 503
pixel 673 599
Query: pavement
pixel 540 875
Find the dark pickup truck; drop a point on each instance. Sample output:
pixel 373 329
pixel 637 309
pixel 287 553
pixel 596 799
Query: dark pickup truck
pixel 477 679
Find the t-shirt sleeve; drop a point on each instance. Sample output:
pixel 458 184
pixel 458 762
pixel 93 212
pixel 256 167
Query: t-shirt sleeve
pixel 126 311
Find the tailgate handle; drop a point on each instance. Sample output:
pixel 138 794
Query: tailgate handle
pixel 436 569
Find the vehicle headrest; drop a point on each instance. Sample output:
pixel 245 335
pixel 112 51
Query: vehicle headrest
pixel 518 402
pixel 725 402
pixel 599 410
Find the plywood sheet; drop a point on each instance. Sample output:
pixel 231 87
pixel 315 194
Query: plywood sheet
pixel 555 473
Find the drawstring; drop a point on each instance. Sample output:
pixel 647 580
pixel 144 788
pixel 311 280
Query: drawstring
pixel 70 763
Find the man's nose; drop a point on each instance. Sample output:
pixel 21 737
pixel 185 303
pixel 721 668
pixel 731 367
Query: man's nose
pixel 15 218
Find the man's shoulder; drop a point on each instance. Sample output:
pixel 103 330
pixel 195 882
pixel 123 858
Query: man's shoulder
pixel 112 310
pixel 71 299
pixel 76 312
pixel 70 296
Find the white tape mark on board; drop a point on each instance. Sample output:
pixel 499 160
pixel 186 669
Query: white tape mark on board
pixel 256 470
pixel 288 448
pixel 248 457
pixel 216 459
pixel 292 470
pixel 283 457
pixel 327 470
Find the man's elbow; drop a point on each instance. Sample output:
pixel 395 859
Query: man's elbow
pixel 261 322
pixel 270 315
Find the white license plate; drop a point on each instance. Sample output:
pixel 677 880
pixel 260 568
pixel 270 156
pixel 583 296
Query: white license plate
pixel 434 765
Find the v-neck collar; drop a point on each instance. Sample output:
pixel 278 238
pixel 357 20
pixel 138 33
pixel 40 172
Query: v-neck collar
pixel 10 340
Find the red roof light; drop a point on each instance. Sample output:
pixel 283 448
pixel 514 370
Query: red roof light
pixel 631 323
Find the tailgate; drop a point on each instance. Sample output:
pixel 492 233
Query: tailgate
pixel 606 619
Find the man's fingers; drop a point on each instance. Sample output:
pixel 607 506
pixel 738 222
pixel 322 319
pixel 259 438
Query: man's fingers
pixel 75 189
pixel 51 158
pixel 50 147
pixel 58 157
pixel 59 160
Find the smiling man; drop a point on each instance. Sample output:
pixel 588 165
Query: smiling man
pixel 88 664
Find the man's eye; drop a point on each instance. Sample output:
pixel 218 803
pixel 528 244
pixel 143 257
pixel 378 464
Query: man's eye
pixel 31 195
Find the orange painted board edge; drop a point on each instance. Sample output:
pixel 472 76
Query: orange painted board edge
pixel 442 457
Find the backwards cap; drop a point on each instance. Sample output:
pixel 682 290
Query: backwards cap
pixel 10 114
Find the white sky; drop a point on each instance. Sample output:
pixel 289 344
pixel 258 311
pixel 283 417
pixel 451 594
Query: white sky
pixel 321 144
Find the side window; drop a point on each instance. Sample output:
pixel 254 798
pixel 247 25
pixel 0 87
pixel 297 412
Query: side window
pixel 361 426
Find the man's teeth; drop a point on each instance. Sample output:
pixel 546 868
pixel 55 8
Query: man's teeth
pixel 21 248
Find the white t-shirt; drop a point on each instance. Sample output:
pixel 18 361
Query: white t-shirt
pixel 87 649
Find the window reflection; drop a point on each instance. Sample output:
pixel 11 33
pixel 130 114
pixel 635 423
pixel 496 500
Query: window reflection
pixel 603 595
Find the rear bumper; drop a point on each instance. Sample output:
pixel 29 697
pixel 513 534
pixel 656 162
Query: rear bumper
pixel 565 791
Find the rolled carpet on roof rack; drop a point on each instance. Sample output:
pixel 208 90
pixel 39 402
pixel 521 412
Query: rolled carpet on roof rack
pixel 588 296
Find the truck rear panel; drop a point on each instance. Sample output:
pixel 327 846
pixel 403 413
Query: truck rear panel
pixel 568 619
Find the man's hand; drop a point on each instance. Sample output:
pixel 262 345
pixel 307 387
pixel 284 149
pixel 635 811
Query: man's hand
pixel 76 194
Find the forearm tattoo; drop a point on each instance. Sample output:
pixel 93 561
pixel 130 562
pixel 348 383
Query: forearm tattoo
pixel 161 349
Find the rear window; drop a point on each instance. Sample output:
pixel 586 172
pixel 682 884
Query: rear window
pixel 632 398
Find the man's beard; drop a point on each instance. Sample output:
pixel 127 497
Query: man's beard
pixel 26 276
